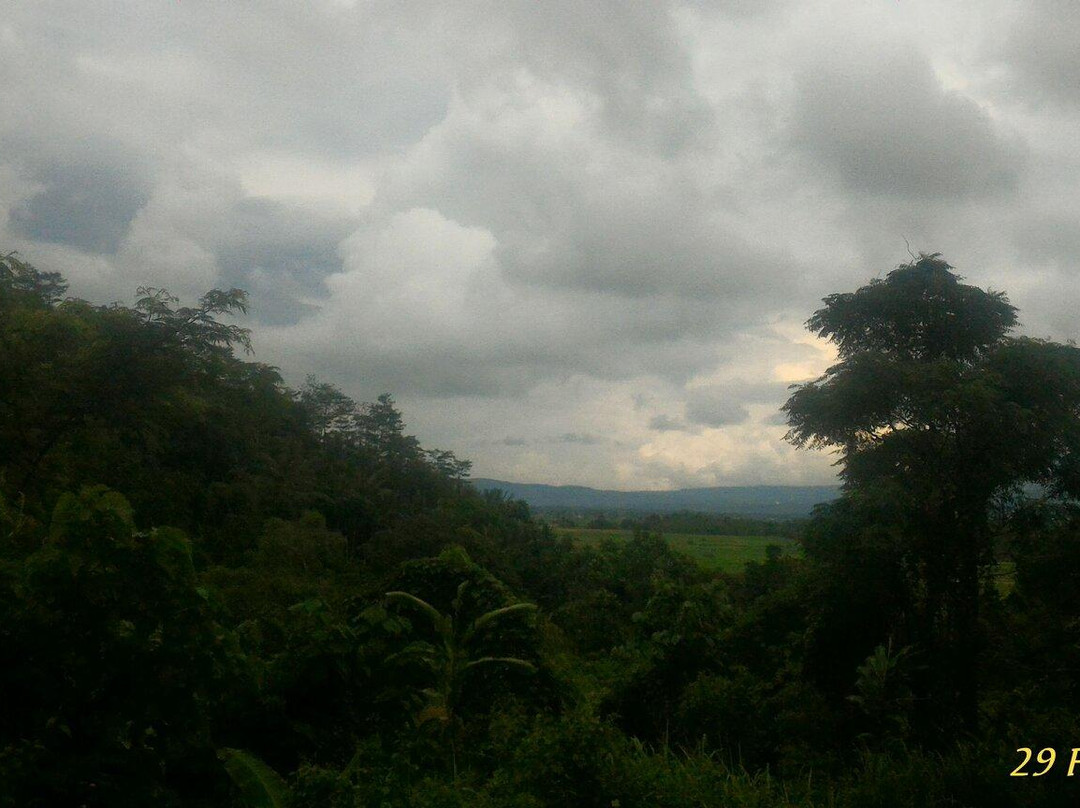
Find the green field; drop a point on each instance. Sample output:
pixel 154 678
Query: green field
pixel 724 553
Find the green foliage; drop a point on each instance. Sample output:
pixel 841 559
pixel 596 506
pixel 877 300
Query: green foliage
pixel 694 523
pixel 919 311
pixel 713 552
pixel 577 760
pixel 21 283
pixel 196 328
pixel 461 643
pixel 329 412
pixel 883 694
pixel 678 635
pixel 861 584
pixel 259 785
pixel 935 412
pixel 195 560
pixel 112 662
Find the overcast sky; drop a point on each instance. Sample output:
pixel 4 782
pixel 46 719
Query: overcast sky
pixel 576 240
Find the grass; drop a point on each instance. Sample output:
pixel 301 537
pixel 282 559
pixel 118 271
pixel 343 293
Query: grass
pixel 723 553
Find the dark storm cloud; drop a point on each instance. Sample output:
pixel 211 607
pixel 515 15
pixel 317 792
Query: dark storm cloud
pixel 279 253
pixel 777 419
pixel 1051 238
pixel 665 423
pixel 89 190
pixel 726 405
pixel 882 125
pixel 721 406
pixel 1042 51
pixel 714 408
pixel 87 206
pixel 262 234
pixel 409 373
pixel 650 244
pixel 581 438
pixel 628 56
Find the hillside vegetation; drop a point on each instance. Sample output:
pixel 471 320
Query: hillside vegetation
pixel 710 552
pixel 219 591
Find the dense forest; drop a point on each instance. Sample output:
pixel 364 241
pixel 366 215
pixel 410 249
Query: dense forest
pixel 219 591
pixel 701 524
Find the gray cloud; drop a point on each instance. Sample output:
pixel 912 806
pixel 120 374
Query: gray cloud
pixel 88 192
pixel 760 392
pixel 1052 238
pixel 312 79
pixel 715 408
pixel 646 244
pixel 777 419
pixel 1042 51
pixel 627 56
pixel 741 9
pixel 88 207
pixel 601 221
pixel 279 253
pixel 577 437
pixel 882 125
pixel 665 423
pixel 727 405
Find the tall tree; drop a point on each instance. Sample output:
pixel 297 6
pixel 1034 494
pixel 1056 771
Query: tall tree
pixel 381 430
pixel 329 412
pixel 934 402
pixel 19 280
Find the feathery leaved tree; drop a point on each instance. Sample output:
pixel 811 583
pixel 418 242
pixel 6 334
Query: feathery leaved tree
pixel 935 402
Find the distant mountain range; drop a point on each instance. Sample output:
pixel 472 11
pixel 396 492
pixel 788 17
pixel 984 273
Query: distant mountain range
pixel 779 501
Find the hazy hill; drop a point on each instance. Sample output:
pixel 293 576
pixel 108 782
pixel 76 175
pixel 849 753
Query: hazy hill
pixel 752 500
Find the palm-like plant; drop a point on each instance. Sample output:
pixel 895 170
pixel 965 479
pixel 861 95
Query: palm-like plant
pixel 258 784
pixel 449 660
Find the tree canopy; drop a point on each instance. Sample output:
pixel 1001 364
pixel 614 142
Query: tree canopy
pixel 934 402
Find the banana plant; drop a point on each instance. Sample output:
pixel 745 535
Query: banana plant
pixel 258 784
pixel 451 658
